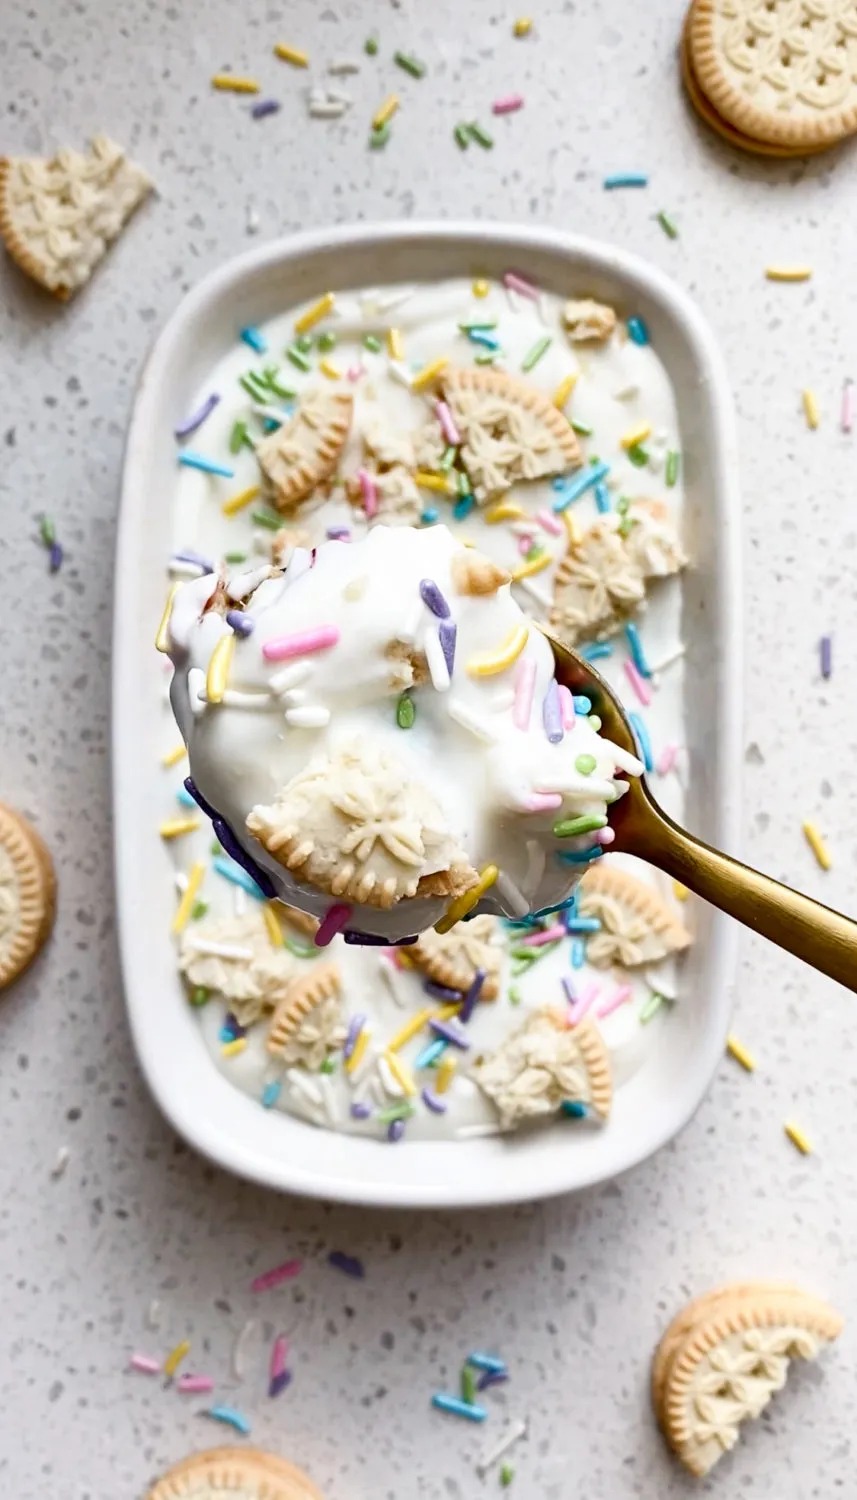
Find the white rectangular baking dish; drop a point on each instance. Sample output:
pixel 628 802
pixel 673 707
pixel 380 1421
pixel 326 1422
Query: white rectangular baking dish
pixel 216 1118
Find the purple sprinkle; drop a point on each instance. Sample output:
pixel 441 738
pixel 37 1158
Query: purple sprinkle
pixel 279 1382
pixel 447 631
pixel 355 1026
pixel 242 624
pixel 360 1111
pixel 56 555
pixel 551 713
pixel 347 1263
pixel 568 987
pixel 371 940
pixel 826 655
pixel 492 1377
pixel 441 991
pixel 472 996
pixel 433 1103
pixel 338 534
pixel 198 561
pixel 264 107
pixel 395 1130
pixel 433 599
pixel 234 1027
pixel 198 417
pixel 450 1033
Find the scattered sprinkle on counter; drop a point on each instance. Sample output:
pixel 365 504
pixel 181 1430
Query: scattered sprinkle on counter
pixel 276 1276
pixel 410 64
pixel 508 104
pixel 817 844
pixel 797 1137
pixel 228 83
pixel 144 1364
pixel 175 1357
pixel 230 1417
pixel 291 55
pixel 625 180
pixel 668 224
pixel 810 408
pixel 737 1050
pixel 522 27
pixel 826 653
pixel 174 828
pixel 265 107
pixel 385 112
pixel 349 1265
pixel 846 420
pixel 458 1408
pixel 788 273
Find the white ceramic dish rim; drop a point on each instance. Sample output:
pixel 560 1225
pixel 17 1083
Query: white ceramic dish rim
pixel 213 1116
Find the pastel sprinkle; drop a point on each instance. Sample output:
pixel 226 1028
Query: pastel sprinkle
pixel 818 845
pixel 369 492
pixel 650 1007
pixel 174 828
pixel 513 282
pixel 381 117
pixel 355 1057
pixel 271 1093
pixel 507 1474
pixel 314 314
pixel 447 423
pixel 464 903
pixel 431 1101
pixel 335 918
pixel 585 764
pixel 230 1417
pixel 447 632
pixel 547 935
pixel 668 224
pixel 574 1108
pixel 275 1277
pixel 191 423
pixel 265 107
pixel 302 643
pixel 638 683
pixel 410 1029
pixel 461 137
pixel 525 681
pixel 291 55
pixel 619 998
pixel 480 288
pixel 552 713
pixel 370 46
pixel 219 665
pixel 798 1138
pixel 846 420
pixel 348 1264
pixel 538 350
pixel 234 1047
pixel 279 1382
pixel 578 953
pixel 238 502
pixel 185 906
pixel 580 856
pixel 672 467
pixel 667 759
pixel 145 1364
pixel 229 83
pixel 636 435
pixel 279 1353
pixel 788 273
pixel 737 1050
pixel 508 104
pixel 570 828
pixel 458 1408
pixel 490 663
pixel 470 999
pixel 433 598
pixel 572 489
pixel 644 743
pixel 445 1073
pixel 298 358
pixel 194 1384
pixel 522 27
pixel 410 64
pixel 564 390
pixel 810 407
pixel 175 1357
pixel 478 134
pixel 436 482
pixel 206 465
pixel 638 331
pixel 406 712
pixel 625 180
pixel 826 650
pixel 256 340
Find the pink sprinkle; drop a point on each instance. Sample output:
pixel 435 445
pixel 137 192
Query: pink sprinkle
pixel 145 1364
pixel 392 956
pixel 525 683
pixel 508 104
pixel 543 802
pixel 847 419
pixel 285 1272
pixel 194 1384
pixel 614 1002
pixel 549 522
pixel 566 705
pixel 301 644
pixel 604 836
pixel 335 918
pixel 581 1006
pixel 370 493
pixel 638 683
pixel 525 544
pixel 447 423
pixel 279 1350
pixel 355 372
pixel 538 939
pixel 669 756
pixel 515 283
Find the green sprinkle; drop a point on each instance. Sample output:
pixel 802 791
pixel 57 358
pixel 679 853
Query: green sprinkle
pixel 461 136
pixel 254 386
pixel 479 325
pixel 447 460
pixel 514 995
pixel 380 136
pixel 668 225
pixel 47 531
pixel 266 518
pixel 406 712
pixel 539 349
pixel 585 764
pixel 595 721
pixel 582 429
pixel 235 557
pixel 401 1111
pixel 304 343
pixel 651 1007
pixel 299 950
pixel 198 910
pixel 468 1385
pixel 622 505
pixel 326 341
pixel 199 996
pixel 410 64
pixel 626 526
pixel 520 966
pixel 487 358
pixel 215 847
pixel 569 828
pixel 298 357
pixel 507 1474
pixel 372 343
pixel 672 467
pixel 480 136
pixel 238 437
pixel 370 46
pixel 328 1066
pixel 638 456
pixel 463 482
pixel 269 381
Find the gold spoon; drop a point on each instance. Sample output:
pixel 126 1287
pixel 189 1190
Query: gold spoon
pixel 813 932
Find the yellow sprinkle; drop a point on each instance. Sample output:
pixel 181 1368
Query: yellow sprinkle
pixel 496 513
pixel 185 906
pixel 173 757
pixel 238 502
pixel 680 891
pixel 410 1029
pixel 357 1053
pixel 175 827
pixel 437 482
pixel 232 1049
pixel 572 526
pixel 817 845
pixel 218 668
pixel 386 112
pixel 489 663
pixel 395 347
pixel 527 569
pixel 173 1360
pixel 232 85
pixel 447 1012
pixel 481 288
pixel 405 961
pixel 293 56
pixel 401 1073
pixel 740 1054
pixel 275 931
pixel 445 1073
pixel 564 390
pixel 163 634
pixel 797 1138
pixel 314 314
pixel 329 370
pixel 810 406
pixel 788 273
pixel 428 373
pixel 636 435
pixel 466 902
pixel 523 26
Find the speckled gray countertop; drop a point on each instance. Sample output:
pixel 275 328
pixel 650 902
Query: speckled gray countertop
pixel 573 1292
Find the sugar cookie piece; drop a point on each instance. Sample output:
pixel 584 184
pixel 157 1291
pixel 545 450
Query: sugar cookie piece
pixel 543 1064
pixel 305 450
pixel 59 214
pixel 602 579
pixel 234 1474
pixel 637 927
pixel 452 958
pixel 307 1020
pixel 27 894
pixel 587 321
pixel 510 431
pixel 234 957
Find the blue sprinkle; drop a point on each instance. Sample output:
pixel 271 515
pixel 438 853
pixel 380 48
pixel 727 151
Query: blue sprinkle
pixel 578 954
pixel 234 873
pixel 644 744
pixel 639 655
pixel 429 516
pixel 574 488
pixel 638 331
pixel 231 1417
pixel 626 179
pixel 582 705
pixel 184 797
pixel 458 1408
pixel 574 1108
pixel 207 465
pixel 487 1362
pixel 487 340
pixel 431 1053
pixel 269 425
pixel 547 911
pixel 257 341
pixel 602 498
pixel 463 507
pixel 582 924
pixel 271 1093
pixel 598 652
pixel 580 856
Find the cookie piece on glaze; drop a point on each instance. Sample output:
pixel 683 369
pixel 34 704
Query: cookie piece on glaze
pixel 305 450
pixel 27 894
pixel 602 579
pixel 308 1019
pixel 59 214
pixel 509 430
pixel 252 981
pixel 637 927
pixel 234 1474
pixel 587 321
pixel 474 573
pixel 452 958
pixel 542 1064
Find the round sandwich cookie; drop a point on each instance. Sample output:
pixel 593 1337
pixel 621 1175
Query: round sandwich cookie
pixel 27 894
pixel 780 71
pixel 234 1474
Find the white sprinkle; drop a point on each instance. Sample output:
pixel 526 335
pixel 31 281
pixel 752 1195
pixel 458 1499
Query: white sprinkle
pixel 535 591
pixel 399 372
pixel 294 697
pixel 513 1432
pixel 239 898
pixel 391 975
pixel 508 892
pixel 436 661
pixel 328 1102
pixel 239 1348
pixel 662 986
pixel 335 97
pixel 626 393
pixel 523 528
pixel 290 677
pixel 468 720
pixel 196 691
pixel 314 716
pixel 395 299
pixel 252 220
pixel 180 881
pixel 391 1084
pixel 185 569
pixel 342 66
pixel 232 698
pixel 667 661
pixel 321 109
pixel 476 1132
pixel 62 1161
pixel 153 1316
pixel 307 1087
pixel 221 950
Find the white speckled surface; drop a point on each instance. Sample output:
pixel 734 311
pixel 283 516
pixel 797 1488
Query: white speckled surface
pixel 574 1292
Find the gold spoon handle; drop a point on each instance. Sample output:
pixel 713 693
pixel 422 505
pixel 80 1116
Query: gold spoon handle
pixel 821 937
